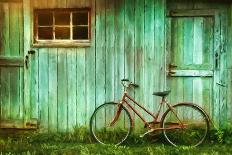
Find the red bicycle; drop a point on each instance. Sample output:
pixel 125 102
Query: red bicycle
pixel 183 124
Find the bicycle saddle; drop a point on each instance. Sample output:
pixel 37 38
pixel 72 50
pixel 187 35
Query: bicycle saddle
pixel 162 94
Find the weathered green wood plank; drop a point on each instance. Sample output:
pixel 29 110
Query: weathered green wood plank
pixel 81 114
pixel 13 61
pixel 229 95
pixel 72 87
pixel 21 50
pixel 110 51
pixel 207 94
pixel 129 39
pixel 149 57
pixel 229 39
pixel 223 72
pixel 52 90
pixel 15 10
pixel 26 45
pixel 119 47
pixel 5 90
pixel 139 50
pixel 159 44
pixel 100 52
pixel 43 88
pixel 62 90
pixel 217 41
pixel 34 86
pixel 90 60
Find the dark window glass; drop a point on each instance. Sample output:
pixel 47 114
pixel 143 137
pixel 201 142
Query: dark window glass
pixel 80 33
pixel 45 18
pixel 45 33
pixel 62 32
pixel 80 18
pixel 62 18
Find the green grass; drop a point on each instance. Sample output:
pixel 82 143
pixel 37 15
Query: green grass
pixel 80 142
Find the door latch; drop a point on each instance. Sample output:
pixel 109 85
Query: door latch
pixel 30 52
pixel 170 69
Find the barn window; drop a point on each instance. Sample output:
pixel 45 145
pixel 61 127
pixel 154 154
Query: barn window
pixel 61 27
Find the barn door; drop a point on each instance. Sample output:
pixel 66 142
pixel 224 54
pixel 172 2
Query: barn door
pixel 11 64
pixel 192 41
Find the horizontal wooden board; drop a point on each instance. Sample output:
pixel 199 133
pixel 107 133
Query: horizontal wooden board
pixel 9 61
pixel 192 13
pixel 192 73
pixel 11 1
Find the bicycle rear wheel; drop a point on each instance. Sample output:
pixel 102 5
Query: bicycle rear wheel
pixel 106 132
pixel 195 125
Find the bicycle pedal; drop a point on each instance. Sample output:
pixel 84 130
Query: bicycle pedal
pixel 149 131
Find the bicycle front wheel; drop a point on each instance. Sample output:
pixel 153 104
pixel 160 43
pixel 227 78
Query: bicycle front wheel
pixel 185 125
pixel 106 128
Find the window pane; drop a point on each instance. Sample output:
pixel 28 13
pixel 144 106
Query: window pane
pixel 62 33
pixel 80 33
pixel 80 18
pixel 62 18
pixel 45 18
pixel 45 33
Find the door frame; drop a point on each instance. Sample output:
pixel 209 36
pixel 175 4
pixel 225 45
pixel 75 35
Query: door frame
pixel 217 48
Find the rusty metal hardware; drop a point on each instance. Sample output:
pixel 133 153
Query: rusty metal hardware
pixel 30 52
pixel 26 61
pixel 172 66
pixel 170 69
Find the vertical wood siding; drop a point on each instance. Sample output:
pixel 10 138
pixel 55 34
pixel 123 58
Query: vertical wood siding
pixel 11 77
pixel 128 40
pixel 71 82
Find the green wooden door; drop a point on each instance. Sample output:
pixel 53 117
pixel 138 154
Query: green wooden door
pixel 11 64
pixel 191 41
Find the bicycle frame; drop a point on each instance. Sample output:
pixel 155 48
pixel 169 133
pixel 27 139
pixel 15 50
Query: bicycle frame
pixel 155 116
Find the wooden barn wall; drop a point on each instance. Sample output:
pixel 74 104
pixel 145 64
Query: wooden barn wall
pixel 221 109
pixel 127 41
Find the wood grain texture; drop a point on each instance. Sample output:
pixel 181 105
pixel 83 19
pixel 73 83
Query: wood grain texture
pixel 63 85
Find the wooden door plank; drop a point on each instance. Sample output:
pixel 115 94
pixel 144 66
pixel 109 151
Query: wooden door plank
pixel 52 90
pixel 34 86
pixel 62 90
pixel 5 94
pixel 72 87
pixel 188 44
pixel 43 88
pixel 26 44
pixel 12 61
pixel 14 11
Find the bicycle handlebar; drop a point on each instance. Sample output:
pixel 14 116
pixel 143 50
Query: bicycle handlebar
pixel 126 83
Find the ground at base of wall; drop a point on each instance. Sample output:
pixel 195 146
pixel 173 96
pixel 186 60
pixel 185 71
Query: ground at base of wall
pixel 80 142
pixel 90 149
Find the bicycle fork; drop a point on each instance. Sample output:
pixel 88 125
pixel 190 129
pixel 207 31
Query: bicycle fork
pixel 117 115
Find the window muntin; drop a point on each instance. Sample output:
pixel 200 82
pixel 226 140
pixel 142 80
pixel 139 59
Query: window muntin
pixel 59 25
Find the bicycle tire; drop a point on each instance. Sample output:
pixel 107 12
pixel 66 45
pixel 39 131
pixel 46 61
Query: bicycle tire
pixel 195 119
pixel 102 117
